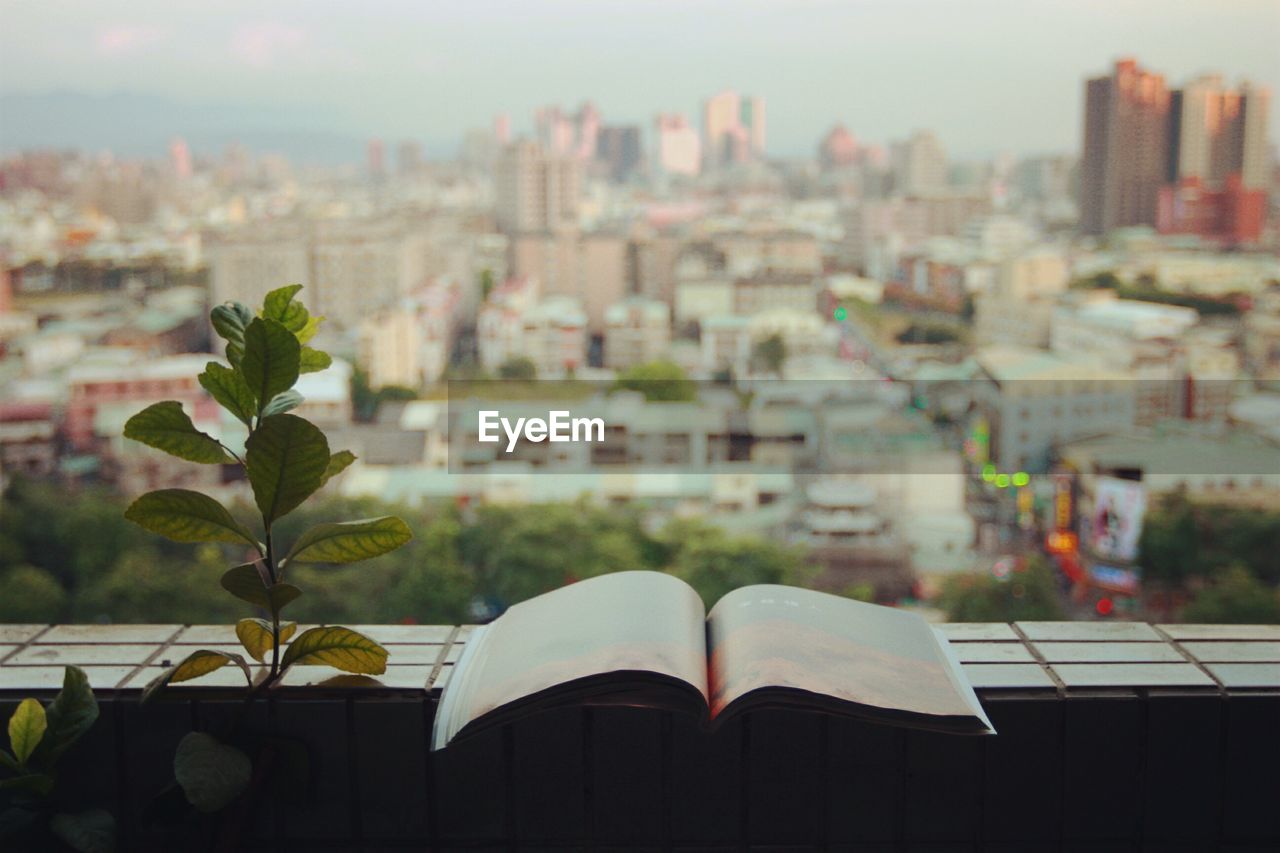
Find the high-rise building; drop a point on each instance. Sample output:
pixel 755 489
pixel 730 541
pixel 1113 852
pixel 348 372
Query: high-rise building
pixel 502 128
pixel 1126 149
pixel 587 127
pixel 734 128
pixel 536 190
pixel 838 149
pixel 679 148
pixel 180 158
pixel 409 158
pixel 568 135
pixel 919 164
pixel 1216 132
pixel 1216 183
pixel 377 159
pixel 620 150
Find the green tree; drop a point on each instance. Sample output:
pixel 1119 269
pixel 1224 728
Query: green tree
pixel 30 594
pixel 981 597
pixel 658 381
pixel 1235 597
pixel 521 368
pixel 771 353
pixel 715 564
pixel 74 535
pixel 517 552
pixel 1184 539
pixel 144 586
pixel 928 333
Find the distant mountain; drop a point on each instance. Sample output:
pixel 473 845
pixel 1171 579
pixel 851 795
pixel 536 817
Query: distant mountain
pixel 134 125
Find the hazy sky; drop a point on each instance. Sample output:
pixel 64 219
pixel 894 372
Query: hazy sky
pixel 988 75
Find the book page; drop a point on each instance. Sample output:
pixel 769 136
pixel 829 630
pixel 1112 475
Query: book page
pixel 645 622
pixel 782 637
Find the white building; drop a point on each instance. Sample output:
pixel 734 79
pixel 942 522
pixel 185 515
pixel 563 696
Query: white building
pixel 725 343
pixel 349 267
pixel 1018 309
pixel 637 331
pixel 1036 400
pixel 1098 324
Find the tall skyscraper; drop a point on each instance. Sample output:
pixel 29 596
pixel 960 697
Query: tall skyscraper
pixel 587 127
pixel 1216 185
pixel 1216 132
pixel 733 129
pixel 409 158
pixel 502 128
pixel 1126 148
pixel 678 146
pixel 620 150
pixel 572 135
pixel 180 158
pixel 919 164
pixel 377 159
pixel 536 190
pixel 838 149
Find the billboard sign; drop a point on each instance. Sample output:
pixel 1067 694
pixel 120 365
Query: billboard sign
pixel 1116 521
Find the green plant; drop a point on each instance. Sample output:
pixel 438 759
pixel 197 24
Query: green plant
pixel 286 460
pixel 39 735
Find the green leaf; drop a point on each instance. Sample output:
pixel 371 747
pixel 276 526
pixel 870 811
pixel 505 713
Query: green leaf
pixel 279 306
pixel 228 387
pixel 229 320
pixel 26 728
pixel 39 784
pixel 271 359
pixel 286 457
pixel 338 463
pixel 350 541
pixel 211 774
pixel 342 648
pixel 245 583
pixel 8 762
pixel 313 360
pixel 186 516
pixel 308 331
pixel 255 636
pixel 166 427
pixel 71 713
pixel 92 831
pixel 198 663
pixel 282 402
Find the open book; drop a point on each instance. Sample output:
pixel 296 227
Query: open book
pixel 644 639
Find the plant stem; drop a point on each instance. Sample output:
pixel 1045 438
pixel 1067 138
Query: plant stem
pixel 275 614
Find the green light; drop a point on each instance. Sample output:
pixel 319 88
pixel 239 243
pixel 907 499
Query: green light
pixel 840 313
pixel 988 472
pixel 1002 481
pixel 1021 478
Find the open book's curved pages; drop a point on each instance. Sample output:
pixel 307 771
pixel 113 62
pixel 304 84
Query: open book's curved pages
pixel 644 639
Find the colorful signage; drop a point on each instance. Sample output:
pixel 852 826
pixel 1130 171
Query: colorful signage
pixel 1116 522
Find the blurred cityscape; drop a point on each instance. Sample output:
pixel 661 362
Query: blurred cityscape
pixel 1014 387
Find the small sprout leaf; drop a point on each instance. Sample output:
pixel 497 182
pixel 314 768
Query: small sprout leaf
pixel 26 728
pixel 255 636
